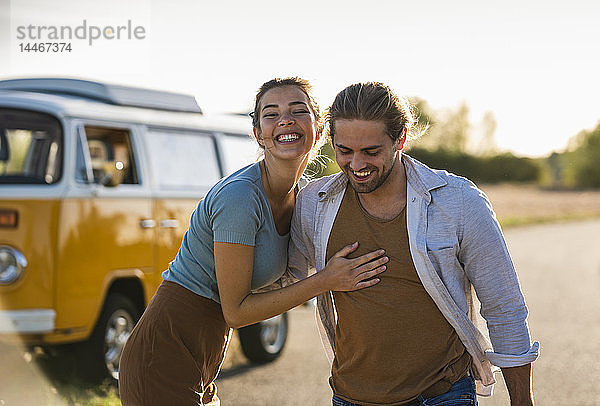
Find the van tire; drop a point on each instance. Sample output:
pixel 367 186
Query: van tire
pixel 263 342
pixel 98 357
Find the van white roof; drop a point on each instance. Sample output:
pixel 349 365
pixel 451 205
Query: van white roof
pixel 95 108
pixel 106 93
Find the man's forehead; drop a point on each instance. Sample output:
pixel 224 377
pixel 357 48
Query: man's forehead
pixel 360 133
pixel 370 126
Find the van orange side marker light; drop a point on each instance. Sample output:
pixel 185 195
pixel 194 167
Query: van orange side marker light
pixel 9 218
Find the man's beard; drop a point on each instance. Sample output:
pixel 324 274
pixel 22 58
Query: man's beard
pixel 374 183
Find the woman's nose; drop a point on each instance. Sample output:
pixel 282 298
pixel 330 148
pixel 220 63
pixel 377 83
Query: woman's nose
pixel 285 120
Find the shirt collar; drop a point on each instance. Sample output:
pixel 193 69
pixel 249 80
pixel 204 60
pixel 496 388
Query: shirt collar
pixel 335 184
pixel 422 178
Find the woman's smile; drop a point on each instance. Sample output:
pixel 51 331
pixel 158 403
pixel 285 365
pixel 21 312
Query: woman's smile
pixel 288 137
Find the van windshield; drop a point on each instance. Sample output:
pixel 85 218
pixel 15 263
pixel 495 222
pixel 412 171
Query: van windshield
pixel 30 148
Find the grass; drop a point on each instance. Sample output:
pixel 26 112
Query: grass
pixel 33 377
pixel 508 222
pixel 519 205
pixel 105 394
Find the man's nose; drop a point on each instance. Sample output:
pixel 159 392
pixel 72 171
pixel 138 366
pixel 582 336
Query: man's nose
pixel 357 163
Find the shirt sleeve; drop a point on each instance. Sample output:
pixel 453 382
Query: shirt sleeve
pixel 236 213
pixel 488 265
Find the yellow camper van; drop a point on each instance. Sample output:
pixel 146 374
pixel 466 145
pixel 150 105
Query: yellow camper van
pixel 97 184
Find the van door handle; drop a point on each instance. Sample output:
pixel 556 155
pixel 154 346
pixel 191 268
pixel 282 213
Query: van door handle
pixel 147 223
pixel 170 223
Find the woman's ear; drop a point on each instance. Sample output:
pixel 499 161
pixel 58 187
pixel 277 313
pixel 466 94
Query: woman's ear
pixel 319 130
pixel 258 136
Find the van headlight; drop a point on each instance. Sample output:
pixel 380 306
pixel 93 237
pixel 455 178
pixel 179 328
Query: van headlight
pixel 12 265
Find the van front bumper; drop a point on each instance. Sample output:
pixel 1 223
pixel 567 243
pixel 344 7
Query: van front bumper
pixel 30 321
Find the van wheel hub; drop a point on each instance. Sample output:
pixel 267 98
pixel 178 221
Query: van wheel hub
pixel 119 327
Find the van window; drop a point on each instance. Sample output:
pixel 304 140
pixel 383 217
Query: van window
pixel 182 159
pixel 111 156
pixel 239 150
pixel 31 148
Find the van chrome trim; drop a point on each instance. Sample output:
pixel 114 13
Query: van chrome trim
pixel 147 223
pixel 17 270
pixel 82 142
pixel 27 321
pixel 170 223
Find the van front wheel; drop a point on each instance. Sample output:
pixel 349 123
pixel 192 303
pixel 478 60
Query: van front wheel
pixel 263 342
pixel 99 356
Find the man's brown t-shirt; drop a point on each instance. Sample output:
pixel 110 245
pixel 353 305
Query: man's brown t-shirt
pixel 392 342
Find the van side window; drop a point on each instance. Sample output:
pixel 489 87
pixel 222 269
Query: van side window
pixel 239 150
pixel 30 148
pixel 182 160
pixel 110 156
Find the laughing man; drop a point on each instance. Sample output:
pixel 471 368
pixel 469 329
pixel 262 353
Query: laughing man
pixel 416 337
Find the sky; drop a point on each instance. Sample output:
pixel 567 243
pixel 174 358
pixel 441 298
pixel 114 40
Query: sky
pixel 533 64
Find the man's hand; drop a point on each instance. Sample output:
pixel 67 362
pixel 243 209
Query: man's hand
pixel 518 383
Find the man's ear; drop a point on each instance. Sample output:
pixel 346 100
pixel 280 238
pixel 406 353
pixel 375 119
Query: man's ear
pixel 402 139
pixel 258 136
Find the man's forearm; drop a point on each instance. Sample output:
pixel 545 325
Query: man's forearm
pixel 518 382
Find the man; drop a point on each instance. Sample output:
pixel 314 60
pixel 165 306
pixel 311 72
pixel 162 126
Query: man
pixel 413 337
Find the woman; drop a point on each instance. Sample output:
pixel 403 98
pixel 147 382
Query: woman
pixel 236 243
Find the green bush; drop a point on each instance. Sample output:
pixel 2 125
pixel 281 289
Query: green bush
pixel 579 166
pixel 585 159
pixel 504 167
pixel 489 169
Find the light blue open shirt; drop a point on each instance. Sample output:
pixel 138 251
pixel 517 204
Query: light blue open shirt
pixel 457 246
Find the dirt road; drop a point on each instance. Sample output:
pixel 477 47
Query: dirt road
pixel 559 268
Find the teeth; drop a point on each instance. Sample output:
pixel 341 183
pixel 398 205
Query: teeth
pixel 288 137
pixel 362 174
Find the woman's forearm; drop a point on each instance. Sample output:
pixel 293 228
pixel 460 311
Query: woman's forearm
pixel 256 307
pixel 233 265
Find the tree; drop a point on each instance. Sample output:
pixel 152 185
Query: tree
pixel 487 141
pixel 582 169
pixel 449 132
pixel 456 129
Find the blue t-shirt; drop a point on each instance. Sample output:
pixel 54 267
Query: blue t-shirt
pixel 235 210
